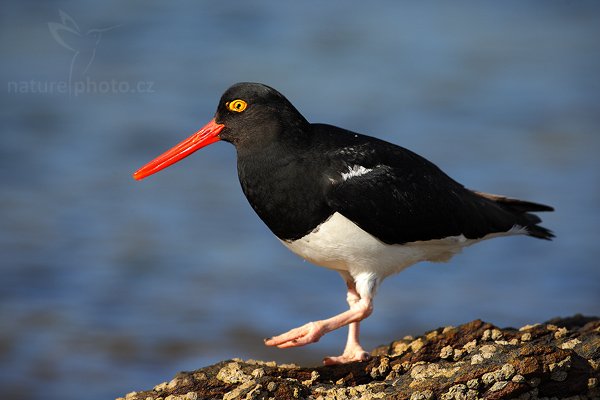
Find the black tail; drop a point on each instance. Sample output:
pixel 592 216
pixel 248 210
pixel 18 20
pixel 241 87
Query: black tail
pixel 523 210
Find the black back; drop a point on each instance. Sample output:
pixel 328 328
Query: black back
pixel 292 174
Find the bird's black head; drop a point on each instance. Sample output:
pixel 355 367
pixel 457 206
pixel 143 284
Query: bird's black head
pixel 253 113
pixel 248 115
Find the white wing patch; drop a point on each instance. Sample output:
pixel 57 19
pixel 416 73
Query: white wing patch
pixel 355 170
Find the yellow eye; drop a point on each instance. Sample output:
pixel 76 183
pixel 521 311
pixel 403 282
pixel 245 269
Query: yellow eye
pixel 236 105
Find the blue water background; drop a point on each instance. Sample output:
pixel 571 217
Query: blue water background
pixel 109 285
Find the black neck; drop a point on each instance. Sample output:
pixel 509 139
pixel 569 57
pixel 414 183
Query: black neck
pixel 283 186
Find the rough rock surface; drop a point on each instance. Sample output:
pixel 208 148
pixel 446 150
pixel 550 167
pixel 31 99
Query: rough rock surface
pixel 559 359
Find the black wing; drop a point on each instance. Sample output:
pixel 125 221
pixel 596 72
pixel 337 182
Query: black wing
pixel 399 197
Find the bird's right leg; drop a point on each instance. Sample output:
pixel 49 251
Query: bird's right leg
pixel 361 290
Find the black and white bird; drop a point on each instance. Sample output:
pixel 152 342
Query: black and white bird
pixel 349 202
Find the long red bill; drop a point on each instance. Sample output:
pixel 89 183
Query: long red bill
pixel 205 136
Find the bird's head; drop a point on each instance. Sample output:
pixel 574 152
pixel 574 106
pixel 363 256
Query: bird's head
pixel 96 34
pixel 248 114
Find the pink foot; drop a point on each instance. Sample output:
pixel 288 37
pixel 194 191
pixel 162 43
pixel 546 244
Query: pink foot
pixel 306 334
pixel 350 355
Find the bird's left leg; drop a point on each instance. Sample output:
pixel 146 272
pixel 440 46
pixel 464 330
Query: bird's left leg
pixel 360 295
pixel 353 350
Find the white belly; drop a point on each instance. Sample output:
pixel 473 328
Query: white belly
pixel 341 245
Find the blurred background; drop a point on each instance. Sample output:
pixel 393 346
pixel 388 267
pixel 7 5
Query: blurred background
pixel 108 285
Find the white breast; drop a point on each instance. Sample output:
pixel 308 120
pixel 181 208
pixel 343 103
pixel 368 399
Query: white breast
pixel 340 244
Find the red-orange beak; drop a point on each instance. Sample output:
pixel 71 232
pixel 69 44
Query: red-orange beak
pixel 205 136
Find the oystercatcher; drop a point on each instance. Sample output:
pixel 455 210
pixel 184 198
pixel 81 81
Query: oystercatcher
pixel 353 203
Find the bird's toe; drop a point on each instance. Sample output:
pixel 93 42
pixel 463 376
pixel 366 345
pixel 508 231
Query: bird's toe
pixel 347 357
pixel 306 334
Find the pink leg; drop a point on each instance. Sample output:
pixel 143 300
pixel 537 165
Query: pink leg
pixel 360 308
pixel 353 350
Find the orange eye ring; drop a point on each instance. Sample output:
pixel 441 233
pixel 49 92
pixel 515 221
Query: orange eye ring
pixel 236 105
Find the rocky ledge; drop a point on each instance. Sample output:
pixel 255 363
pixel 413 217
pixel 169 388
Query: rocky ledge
pixel 559 359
